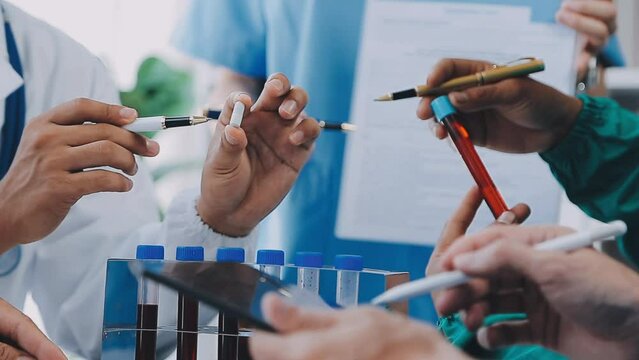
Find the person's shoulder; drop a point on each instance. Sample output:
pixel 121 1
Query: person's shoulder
pixel 48 53
pixel 39 40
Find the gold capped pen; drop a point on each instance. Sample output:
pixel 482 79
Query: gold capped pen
pixel 340 126
pixel 518 68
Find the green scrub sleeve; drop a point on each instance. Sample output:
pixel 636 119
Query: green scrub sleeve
pixel 598 166
pixel 457 334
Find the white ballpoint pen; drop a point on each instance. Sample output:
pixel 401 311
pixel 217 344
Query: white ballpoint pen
pixel 449 279
pixel 157 123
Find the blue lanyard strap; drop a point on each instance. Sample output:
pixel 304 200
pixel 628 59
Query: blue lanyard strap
pixel 15 109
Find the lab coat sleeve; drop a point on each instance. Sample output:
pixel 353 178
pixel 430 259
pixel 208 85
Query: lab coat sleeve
pixel 183 226
pixel 228 33
pixel 598 165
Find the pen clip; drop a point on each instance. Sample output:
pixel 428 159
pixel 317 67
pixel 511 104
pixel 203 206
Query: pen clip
pixel 519 61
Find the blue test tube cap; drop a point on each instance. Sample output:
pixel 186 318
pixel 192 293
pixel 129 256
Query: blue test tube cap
pixel 309 259
pixel 230 254
pixel 442 107
pixel 189 253
pixel 149 252
pixel 349 262
pixel 270 257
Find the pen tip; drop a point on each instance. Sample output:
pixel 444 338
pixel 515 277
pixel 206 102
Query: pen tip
pixel 349 127
pixel 385 97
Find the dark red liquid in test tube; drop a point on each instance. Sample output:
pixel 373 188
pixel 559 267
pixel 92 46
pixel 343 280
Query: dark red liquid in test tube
pixel 466 149
pixel 147 310
pixel 188 309
pixel 147 325
pixel 228 326
pixel 446 113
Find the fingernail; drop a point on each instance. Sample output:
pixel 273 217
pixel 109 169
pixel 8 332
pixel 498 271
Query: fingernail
pixel 135 169
pixel 462 260
pixel 130 185
pixel 296 137
pixel 459 97
pixel 152 147
pixel 227 134
pixel 128 113
pixel 277 83
pixel 506 218
pixel 482 338
pixel 290 106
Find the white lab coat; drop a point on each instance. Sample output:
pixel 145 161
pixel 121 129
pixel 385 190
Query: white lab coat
pixel 65 271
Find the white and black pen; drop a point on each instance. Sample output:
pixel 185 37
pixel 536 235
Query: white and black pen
pixel 157 123
pixel 326 125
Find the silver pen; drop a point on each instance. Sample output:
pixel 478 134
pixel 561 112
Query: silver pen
pixel 157 123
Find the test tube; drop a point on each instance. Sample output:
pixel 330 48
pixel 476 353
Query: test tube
pixel 228 327
pixel 148 296
pixel 271 262
pixel 348 268
pixel 308 272
pixel 188 309
pixel 445 113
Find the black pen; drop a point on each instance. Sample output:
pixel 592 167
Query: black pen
pixel 340 126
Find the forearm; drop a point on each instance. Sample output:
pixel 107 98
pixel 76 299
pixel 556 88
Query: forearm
pixel 598 165
pixel 230 81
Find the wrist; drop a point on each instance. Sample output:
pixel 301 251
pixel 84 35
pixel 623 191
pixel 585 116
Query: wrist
pixel 566 120
pixel 7 236
pixel 222 224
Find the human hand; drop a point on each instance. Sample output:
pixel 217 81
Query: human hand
pixel 364 333
pixel 582 304
pixel 517 115
pixel 459 222
pixel 53 166
pixel 249 170
pixel 20 338
pixel 595 21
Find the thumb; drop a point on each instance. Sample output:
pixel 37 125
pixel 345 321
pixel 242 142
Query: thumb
pixel 287 318
pixel 231 145
pixel 455 227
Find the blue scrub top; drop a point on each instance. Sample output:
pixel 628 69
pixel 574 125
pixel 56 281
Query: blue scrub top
pixel 315 43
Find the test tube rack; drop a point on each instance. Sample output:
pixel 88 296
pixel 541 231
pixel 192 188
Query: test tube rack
pixel 120 306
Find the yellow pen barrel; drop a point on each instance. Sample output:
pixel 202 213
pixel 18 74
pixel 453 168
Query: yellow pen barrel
pixel 490 76
pixel 495 75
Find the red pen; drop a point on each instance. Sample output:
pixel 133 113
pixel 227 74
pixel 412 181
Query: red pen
pixel 445 113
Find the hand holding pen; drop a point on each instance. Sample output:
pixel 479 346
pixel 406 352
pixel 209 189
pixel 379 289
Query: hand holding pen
pixel 516 115
pixel 568 296
pixel 60 160
pixel 250 168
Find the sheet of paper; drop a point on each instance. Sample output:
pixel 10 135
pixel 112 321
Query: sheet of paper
pixel 400 184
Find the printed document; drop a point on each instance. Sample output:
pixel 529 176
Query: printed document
pixel 400 184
